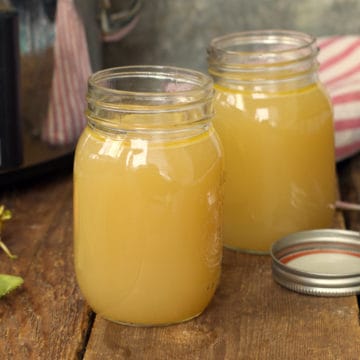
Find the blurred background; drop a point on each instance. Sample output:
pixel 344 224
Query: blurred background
pixel 177 32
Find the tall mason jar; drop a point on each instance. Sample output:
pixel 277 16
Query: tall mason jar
pixel 148 178
pixel 276 124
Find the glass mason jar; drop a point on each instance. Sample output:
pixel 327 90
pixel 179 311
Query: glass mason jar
pixel 276 125
pixel 148 178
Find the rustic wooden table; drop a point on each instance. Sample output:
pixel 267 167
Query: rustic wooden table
pixel 251 317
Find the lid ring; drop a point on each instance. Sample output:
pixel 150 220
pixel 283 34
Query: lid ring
pixel 318 262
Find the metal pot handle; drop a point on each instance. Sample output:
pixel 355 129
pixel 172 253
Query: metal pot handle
pixel 116 24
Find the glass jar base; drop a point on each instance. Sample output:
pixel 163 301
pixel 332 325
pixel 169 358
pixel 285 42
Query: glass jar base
pixel 162 324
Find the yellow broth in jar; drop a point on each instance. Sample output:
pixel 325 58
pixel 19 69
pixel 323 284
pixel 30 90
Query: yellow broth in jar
pixel 147 217
pixel 280 165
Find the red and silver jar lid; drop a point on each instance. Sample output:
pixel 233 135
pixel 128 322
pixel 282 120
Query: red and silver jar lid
pixel 318 262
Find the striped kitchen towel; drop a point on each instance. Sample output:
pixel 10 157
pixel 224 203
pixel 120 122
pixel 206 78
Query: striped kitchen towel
pixel 339 59
pixel 65 118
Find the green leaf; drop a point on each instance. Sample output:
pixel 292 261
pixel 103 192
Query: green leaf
pixel 6 215
pixel 9 283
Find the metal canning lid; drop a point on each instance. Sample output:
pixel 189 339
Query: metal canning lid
pixel 318 262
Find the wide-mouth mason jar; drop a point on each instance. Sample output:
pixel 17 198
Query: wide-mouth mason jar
pixel 148 187
pixel 276 125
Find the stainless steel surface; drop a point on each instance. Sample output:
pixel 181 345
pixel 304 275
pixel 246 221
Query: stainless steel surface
pixel 89 10
pixel 329 262
pixel 178 32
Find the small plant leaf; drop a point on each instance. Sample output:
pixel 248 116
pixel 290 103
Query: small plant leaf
pixel 9 283
pixel 6 215
pixel 7 251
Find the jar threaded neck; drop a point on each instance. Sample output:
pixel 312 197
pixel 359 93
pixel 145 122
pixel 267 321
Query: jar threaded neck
pixel 263 56
pixel 149 98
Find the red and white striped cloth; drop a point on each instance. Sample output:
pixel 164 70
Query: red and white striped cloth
pixel 339 59
pixel 65 119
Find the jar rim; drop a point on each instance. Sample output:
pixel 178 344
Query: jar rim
pixel 186 83
pixel 261 47
pixel 165 97
pixel 306 39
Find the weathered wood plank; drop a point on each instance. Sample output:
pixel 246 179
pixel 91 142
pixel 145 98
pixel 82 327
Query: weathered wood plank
pixel 250 317
pixel 46 318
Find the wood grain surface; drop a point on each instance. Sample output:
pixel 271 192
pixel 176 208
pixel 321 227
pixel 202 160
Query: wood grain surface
pixel 46 318
pixel 250 317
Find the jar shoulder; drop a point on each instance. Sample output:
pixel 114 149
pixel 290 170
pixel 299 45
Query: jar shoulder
pixel 196 154
pixel 310 98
